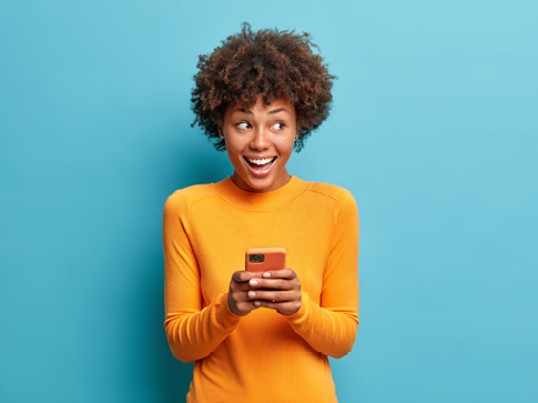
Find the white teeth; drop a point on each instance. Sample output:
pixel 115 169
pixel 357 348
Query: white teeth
pixel 260 162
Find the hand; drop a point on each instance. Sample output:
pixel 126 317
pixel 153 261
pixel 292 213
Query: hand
pixel 238 299
pixel 276 289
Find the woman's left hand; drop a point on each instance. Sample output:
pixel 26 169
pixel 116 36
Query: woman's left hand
pixel 277 289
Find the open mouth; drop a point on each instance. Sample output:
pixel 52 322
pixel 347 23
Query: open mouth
pixel 259 162
pixel 260 165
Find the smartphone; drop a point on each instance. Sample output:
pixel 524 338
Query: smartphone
pixel 264 259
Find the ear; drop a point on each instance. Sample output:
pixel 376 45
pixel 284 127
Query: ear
pixel 221 133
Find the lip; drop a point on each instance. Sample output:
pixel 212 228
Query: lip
pixel 261 171
pixel 259 157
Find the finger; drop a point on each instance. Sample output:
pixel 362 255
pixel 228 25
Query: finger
pixel 274 296
pixel 243 308
pixel 246 306
pixel 239 287
pixel 275 284
pixel 245 285
pixel 289 308
pixel 284 274
pixel 242 275
pixel 285 308
pixel 240 296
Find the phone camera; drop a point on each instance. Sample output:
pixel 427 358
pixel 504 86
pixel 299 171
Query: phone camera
pixel 256 258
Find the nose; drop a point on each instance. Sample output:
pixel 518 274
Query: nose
pixel 260 140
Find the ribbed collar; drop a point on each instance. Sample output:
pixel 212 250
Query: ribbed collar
pixel 264 201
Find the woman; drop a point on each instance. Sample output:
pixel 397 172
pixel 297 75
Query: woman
pixel 261 337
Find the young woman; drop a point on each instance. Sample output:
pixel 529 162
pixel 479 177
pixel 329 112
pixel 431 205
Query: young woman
pixel 261 337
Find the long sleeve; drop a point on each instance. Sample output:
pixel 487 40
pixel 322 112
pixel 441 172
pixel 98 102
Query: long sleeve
pixel 331 326
pixel 193 331
pixel 206 230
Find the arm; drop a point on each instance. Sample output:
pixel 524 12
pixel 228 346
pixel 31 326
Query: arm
pixel 331 326
pixel 193 331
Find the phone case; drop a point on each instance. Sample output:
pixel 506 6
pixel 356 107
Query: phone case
pixel 264 259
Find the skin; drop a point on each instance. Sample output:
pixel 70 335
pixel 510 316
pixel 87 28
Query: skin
pixel 277 289
pixel 261 131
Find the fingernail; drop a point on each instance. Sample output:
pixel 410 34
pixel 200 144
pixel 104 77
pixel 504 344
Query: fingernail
pixel 266 274
pixel 251 294
pixel 257 303
pixel 253 282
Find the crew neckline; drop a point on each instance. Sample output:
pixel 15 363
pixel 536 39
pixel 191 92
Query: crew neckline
pixel 260 201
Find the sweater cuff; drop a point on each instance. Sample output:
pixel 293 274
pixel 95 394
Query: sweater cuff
pixel 225 316
pixel 299 317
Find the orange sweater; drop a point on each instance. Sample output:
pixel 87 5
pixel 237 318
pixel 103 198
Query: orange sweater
pixel 263 356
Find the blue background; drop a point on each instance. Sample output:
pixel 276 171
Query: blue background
pixel 434 129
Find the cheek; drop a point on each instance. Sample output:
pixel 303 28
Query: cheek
pixel 235 152
pixel 286 147
pixel 232 145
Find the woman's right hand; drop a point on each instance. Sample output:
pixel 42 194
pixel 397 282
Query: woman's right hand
pixel 240 285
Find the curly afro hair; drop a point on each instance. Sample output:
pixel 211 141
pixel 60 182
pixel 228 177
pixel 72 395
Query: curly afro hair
pixel 268 63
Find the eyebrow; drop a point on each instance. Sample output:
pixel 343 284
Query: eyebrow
pixel 274 111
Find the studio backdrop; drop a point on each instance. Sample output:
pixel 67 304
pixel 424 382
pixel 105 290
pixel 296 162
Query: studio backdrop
pixel 433 129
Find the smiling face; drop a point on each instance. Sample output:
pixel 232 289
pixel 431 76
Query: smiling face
pixel 259 140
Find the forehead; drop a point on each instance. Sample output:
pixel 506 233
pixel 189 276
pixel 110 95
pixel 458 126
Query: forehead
pixel 281 104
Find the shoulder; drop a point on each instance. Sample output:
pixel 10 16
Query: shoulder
pixel 182 198
pixel 337 193
pixel 338 202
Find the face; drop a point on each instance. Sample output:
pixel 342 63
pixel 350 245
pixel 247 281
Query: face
pixel 259 140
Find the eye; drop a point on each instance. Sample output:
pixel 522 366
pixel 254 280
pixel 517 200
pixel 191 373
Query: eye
pixel 278 126
pixel 243 126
